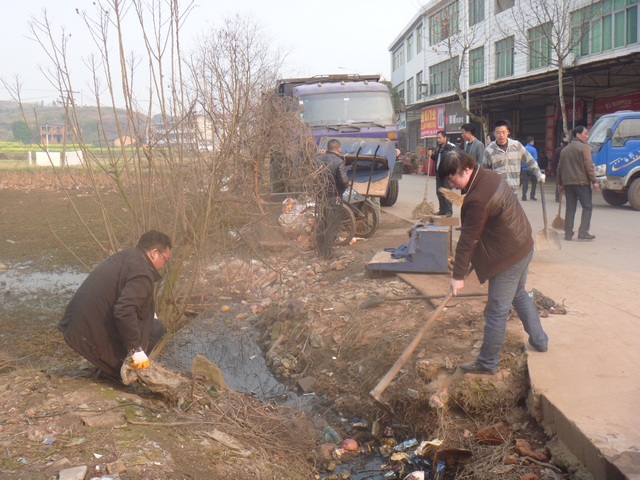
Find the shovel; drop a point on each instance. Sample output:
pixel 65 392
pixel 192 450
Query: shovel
pixel 558 222
pixel 393 371
pixel 378 299
pixel 547 238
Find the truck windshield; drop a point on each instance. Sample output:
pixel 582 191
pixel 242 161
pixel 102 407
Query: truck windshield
pixel 347 108
pixel 598 133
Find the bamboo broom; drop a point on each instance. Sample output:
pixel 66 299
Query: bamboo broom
pixel 454 197
pixel 558 222
pixel 424 208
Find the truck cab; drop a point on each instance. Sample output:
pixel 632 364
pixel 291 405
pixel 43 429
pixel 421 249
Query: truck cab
pixel 358 111
pixel 615 149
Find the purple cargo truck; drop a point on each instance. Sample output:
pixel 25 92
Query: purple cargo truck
pixel 357 110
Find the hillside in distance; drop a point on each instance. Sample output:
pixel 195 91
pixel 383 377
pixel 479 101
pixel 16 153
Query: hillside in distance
pixel 42 114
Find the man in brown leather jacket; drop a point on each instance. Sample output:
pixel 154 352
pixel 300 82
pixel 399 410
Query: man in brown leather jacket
pixel 496 238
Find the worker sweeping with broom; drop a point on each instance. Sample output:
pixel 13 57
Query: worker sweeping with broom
pixel 496 238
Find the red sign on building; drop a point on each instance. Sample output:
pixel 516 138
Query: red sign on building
pixel 431 121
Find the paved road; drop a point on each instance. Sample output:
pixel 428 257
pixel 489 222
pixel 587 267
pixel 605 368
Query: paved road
pixel 588 385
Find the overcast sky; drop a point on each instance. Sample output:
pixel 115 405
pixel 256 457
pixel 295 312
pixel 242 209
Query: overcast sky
pixel 320 37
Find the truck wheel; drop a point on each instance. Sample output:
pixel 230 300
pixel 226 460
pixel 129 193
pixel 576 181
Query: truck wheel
pixel 613 197
pixel 392 194
pixel 634 194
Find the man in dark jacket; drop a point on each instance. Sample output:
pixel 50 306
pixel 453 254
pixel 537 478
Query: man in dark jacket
pixel 576 175
pixel 112 314
pixel 444 146
pixel 334 180
pixel 496 239
pixel 556 160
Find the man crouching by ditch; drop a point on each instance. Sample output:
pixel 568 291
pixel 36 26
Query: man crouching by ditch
pixel 112 314
pixel 496 238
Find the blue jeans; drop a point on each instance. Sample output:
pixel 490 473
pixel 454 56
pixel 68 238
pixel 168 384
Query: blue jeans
pixel 506 289
pixel 528 176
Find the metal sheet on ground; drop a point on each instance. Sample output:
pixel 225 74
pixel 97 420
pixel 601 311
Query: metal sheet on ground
pixel 439 284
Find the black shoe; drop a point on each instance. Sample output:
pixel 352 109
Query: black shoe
pixel 524 199
pixel 441 213
pixel 586 236
pixel 534 199
pixel 450 214
pixel 539 349
pixel 475 367
pixel 568 238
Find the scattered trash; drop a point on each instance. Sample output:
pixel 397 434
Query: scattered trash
pixel 406 445
pixel 330 435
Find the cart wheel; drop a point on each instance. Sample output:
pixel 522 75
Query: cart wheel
pixel 347 226
pixel 367 219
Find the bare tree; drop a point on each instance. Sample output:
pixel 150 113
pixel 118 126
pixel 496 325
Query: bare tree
pixel 199 172
pixel 458 36
pixel 551 33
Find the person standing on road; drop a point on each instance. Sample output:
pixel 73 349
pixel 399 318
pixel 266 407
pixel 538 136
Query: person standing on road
pixel 112 315
pixel 527 175
pixel 444 147
pixel 496 238
pixel 473 146
pixel 333 183
pixel 427 169
pixel 575 178
pixel 556 161
pixel 505 156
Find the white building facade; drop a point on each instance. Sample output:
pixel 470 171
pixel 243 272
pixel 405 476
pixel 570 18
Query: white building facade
pixel 504 56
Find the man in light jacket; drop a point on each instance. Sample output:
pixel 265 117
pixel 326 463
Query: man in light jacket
pixel 505 156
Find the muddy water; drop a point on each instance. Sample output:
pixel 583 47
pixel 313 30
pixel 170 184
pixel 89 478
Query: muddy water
pixel 231 345
pixel 19 283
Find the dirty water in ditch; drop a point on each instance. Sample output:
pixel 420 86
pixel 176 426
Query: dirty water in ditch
pixel 228 342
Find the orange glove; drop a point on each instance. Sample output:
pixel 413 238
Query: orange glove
pixel 140 360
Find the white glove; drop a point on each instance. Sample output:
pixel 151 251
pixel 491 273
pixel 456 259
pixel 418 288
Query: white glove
pixel 140 360
pixel 542 178
pixel 456 286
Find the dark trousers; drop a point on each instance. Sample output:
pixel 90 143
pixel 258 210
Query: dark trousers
pixel 528 176
pixel 573 195
pixel 327 224
pixel 445 206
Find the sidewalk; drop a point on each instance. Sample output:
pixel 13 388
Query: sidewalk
pixel 586 388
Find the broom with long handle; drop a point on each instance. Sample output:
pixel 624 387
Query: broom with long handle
pixel 558 222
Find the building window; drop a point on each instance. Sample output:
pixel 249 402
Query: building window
pixel 409 47
pixel 502 5
pixel 419 39
pixel 442 76
pixel 398 58
pixel 419 87
pixel 476 11
pixel 603 26
pixel 410 91
pixel 476 66
pixel 443 23
pixel 504 58
pixel 539 46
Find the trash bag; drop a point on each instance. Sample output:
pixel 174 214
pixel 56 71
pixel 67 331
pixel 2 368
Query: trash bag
pixel 158 379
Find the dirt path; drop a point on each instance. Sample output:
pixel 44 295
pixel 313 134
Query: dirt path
pixel 55 415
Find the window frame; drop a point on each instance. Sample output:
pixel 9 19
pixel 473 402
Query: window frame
pixel 506 53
